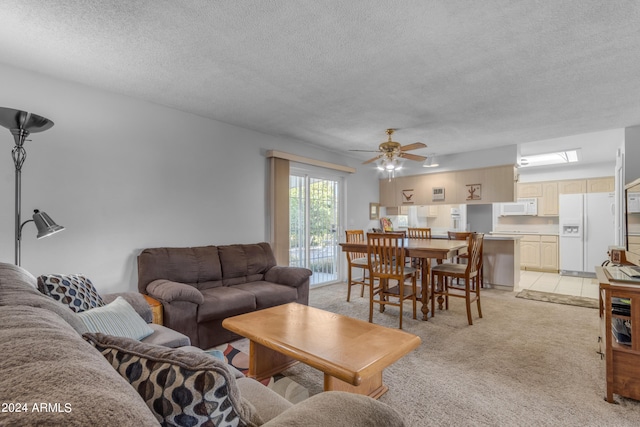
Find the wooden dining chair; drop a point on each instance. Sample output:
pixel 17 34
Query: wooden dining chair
pixel 385 249
pixel 419 233
pixel 464 235
pixel 357 260
pixel 442 288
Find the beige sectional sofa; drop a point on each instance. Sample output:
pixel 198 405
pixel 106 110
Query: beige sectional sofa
pixel 50 375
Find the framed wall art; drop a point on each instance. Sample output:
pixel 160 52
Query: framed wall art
pixel 374 210
pixel 437 193
pixel 474 191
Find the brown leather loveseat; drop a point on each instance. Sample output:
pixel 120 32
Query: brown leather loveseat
pixel 201 286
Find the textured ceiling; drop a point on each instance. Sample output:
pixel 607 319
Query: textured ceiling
pixel 457 75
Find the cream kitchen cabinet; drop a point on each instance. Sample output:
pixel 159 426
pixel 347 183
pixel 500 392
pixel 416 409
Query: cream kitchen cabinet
pixel 574 186
pixel 547 194
pixel 549 253
pixel 529 189
pixel 591 185
pixel 601 185
pixel 530 252
pixel 539 252
pixel 548 204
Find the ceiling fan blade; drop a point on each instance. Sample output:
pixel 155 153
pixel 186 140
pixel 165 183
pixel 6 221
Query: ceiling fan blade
pixel 413 146
pixel 367 151
pixel 413 157
pixel 372 160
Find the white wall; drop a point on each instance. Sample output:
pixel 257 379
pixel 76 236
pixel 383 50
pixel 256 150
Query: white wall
pixel 122 175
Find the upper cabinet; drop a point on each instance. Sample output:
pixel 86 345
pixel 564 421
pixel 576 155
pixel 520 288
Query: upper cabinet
pixel 529 189
pixel 549 203
pixel 473 186
pixel 601 185
pixel 591 185
pixel 574 186
pixel 545 192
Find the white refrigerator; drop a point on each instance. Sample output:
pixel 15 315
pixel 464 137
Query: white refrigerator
pixel 586 231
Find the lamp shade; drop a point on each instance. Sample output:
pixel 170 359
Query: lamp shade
pixel 21 120
pixel 45 225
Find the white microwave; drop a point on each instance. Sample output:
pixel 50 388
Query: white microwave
pixel 521 207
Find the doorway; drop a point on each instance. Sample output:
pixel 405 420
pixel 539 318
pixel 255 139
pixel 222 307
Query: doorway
pixel 314 223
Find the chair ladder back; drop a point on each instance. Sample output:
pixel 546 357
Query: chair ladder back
pixel 355 236
pixel 476 241
pixel 419 233
pixel 387 250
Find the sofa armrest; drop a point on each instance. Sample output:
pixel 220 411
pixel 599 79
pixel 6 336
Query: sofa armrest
pixel 136 300
pixel 290 276
pixel 336 409
pixel 167 291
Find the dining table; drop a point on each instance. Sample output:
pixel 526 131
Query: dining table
pixel 425 250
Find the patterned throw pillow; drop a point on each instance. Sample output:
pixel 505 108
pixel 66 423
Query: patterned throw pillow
pixel 180 388
pixel 74 290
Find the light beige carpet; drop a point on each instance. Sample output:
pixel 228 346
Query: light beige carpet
pixel 525 363
pixel 558 298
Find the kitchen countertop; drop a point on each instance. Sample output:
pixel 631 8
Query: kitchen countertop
pixel 487 236
pixel 525 232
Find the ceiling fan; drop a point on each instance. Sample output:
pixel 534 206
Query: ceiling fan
pixel 390 151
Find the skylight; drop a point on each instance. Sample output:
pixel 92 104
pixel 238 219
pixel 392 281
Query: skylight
pixel 559 157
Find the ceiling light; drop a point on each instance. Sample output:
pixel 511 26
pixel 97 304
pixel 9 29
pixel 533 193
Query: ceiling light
pixel 390 165
pixel 431 162
pixel 555 158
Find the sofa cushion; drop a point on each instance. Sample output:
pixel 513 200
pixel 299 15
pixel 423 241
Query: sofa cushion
pixel 168 291
pixel 184 265
pixel 118 319
pixel 74 290
pixel 45 360
pixel 166 337
pixel 243 263
pixel 180 388
pixel 269 294
pixel 223 302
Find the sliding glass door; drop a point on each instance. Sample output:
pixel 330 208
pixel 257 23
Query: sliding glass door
pixel 314 224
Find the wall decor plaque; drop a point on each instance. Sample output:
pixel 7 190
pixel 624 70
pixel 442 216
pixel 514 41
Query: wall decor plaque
pixel 474 191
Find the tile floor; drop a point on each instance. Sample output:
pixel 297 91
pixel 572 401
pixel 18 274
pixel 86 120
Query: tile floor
pixel 555 283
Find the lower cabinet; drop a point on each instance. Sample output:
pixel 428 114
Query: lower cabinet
pixel 530 252
pixel 539 252
pixel 549 253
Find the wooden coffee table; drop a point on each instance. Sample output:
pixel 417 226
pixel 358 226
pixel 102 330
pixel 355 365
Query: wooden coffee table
pixel 351 353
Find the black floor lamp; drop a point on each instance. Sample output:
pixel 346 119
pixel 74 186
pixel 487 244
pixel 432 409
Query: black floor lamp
pixel 21 124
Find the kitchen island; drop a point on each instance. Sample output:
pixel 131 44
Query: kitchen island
pixel 500 259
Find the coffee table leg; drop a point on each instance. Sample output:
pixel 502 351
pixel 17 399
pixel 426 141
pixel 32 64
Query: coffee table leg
pixel 372 386
pixel 265 363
